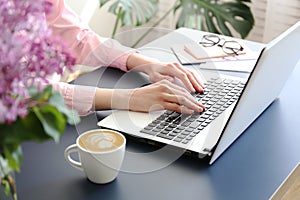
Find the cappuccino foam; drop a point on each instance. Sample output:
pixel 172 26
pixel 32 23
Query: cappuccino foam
pixel 101 140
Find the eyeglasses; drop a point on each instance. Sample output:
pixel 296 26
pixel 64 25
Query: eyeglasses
pixel 229 47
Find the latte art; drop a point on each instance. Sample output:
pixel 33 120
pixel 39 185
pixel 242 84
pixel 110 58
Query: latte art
pixel 103 140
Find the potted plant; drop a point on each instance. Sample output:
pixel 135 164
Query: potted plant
pixel 222 17
pixel 29 109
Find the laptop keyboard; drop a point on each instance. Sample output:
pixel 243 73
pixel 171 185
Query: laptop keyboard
pixel 219 94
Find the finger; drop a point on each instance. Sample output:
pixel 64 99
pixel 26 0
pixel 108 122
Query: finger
pixel 179 91
pixel 190 97
pixel 183 100
pixel 169 87
pixel 195 81
pixel 178 108
pixel 176 94
pixel 159 77
pixel 174 71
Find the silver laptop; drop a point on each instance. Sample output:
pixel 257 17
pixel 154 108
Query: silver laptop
pixel 232 104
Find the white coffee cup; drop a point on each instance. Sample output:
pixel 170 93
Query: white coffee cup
pixel 101 153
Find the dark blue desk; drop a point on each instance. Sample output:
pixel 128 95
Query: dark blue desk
pixel 252 168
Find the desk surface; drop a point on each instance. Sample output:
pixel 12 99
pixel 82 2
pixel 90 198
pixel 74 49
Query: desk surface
pixel 252 168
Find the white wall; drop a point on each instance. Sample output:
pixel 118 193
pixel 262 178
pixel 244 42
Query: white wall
pixel 272 17
pixel 102 22
pixel 98 19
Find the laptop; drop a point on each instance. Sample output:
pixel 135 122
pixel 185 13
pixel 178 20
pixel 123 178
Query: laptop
pixel 232 104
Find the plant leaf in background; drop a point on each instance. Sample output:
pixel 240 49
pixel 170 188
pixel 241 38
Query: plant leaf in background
pixel 216 16
pixel 132 12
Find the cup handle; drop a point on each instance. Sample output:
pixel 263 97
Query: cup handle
pixel 70 149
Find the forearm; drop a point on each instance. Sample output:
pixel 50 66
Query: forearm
pixel 116 99
pixel 139 62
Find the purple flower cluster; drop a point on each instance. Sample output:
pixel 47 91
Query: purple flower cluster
pixel 28 53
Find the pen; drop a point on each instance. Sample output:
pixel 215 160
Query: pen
pixel 210 57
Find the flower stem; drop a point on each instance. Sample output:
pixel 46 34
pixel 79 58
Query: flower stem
pixel 154 25
pixel 116 23
pixel 13 188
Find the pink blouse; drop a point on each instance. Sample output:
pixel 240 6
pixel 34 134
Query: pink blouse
pixel 89 48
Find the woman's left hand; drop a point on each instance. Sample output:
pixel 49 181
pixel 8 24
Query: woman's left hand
pixel 161 71
pixel 158 71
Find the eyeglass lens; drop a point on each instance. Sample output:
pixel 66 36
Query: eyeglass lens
pixel 210 40
pixel 232 47
pixel 229 47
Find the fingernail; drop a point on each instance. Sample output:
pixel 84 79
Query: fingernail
pixel 202 89
pixel 200 109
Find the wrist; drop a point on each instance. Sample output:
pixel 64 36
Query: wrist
pixel 116 99
pixel 138 62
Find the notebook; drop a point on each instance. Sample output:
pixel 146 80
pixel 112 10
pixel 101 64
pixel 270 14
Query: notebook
pixel 237 103
pixel 213 57
pixel 193 53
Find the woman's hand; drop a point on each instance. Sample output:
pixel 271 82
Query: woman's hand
pixel 168 71
pixel 163 95
pixel 158 71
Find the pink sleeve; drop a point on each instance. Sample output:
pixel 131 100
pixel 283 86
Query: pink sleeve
pixel 77 97
pixel 89 49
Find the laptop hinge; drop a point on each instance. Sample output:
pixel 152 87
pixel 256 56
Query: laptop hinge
pixel 208 151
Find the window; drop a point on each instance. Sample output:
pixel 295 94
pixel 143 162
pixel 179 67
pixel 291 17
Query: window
pixel 272 17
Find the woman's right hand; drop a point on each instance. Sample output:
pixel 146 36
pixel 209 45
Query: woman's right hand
pixel 163 95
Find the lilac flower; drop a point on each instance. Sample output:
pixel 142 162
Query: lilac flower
pixel 28 53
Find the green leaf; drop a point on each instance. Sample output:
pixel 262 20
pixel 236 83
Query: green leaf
pixel 52 121
pixel 102 2
pixel 133 12
pixel 4 166
pixel 23 129
pixel 6 186
pixel 217 17
pixel 32 91
pixel 14 158
pixel 43 95
pixel 46 120
pixel 57 101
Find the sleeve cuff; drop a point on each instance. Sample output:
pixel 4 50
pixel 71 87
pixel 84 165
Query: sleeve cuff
pixel 77 97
